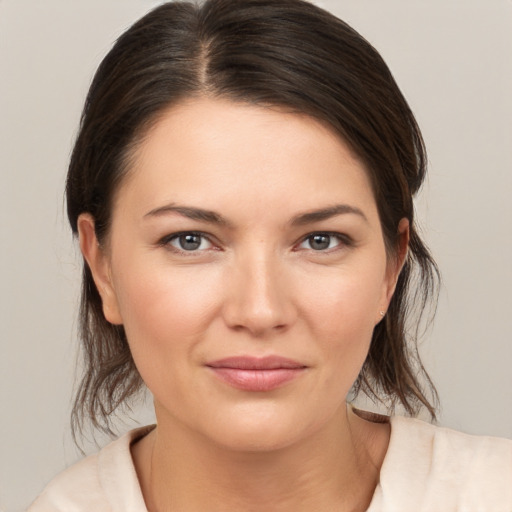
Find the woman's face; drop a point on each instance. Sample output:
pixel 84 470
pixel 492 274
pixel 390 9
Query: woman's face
pixel 247 264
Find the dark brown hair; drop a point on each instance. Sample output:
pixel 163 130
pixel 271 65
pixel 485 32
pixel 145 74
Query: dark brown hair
pixel 285 53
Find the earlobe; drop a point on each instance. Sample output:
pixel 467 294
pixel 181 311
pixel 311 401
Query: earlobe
pixel 99 264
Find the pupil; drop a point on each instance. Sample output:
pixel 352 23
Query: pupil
pixel 190 242
pixel 320 242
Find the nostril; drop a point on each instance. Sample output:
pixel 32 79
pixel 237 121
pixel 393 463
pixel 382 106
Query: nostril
pixel 258 329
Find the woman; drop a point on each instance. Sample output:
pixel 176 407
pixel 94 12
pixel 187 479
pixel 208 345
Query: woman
pixel 242 191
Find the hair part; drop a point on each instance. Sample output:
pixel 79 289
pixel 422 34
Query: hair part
pixel 284 53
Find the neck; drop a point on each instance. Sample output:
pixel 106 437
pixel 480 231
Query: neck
pixel 335 468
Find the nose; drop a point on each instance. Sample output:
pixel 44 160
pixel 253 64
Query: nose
pixel 259 299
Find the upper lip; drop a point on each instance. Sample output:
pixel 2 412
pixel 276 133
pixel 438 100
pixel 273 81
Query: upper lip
pixel 256 363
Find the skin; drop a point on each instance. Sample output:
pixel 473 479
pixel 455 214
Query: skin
pixel 255 286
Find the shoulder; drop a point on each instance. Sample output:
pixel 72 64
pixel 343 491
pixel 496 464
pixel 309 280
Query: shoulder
pixel 450 470
pixel 73 490
pixel 102 482
pixel 442 444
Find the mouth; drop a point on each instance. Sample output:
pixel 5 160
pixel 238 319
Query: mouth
pixel 256 374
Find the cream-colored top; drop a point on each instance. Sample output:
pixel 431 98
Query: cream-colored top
pixel 426 469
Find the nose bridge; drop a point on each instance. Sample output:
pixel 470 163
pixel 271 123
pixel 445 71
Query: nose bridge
pixel 258 299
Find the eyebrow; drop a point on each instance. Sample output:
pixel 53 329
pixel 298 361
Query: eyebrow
pixel 326 213
pixel 212 217
pixel 191 213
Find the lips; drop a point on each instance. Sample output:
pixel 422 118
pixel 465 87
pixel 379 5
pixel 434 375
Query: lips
pixel 256 374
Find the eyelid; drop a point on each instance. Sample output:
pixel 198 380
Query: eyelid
pixel 165 242
pixel 345 241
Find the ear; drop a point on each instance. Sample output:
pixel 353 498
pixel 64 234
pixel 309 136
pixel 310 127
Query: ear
pixel 395 265
pixel 99 263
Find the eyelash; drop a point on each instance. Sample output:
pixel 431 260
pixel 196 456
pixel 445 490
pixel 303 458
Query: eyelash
pixel 166 242
pixel 344 241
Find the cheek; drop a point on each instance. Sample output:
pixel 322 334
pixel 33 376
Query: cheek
pixel 340 309
pixel 166 313
pixel 345 300
pixel 165 309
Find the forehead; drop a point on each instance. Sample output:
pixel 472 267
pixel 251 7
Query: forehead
pixel 219 154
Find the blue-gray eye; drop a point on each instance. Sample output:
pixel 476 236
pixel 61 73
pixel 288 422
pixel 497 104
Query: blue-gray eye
pixel 190 242
pixel 320 242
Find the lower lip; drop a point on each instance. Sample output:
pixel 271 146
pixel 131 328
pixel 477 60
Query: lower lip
pixel 257 380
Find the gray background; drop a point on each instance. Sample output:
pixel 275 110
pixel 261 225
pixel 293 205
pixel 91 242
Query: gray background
pixel 453 61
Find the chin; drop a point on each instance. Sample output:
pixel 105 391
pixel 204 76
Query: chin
pixel 265 429
pixel 254 439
